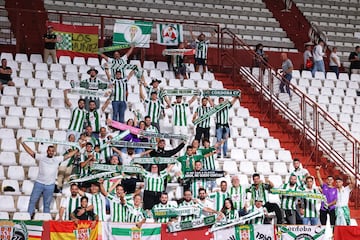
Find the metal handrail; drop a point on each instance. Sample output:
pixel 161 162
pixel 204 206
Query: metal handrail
pixel 309 127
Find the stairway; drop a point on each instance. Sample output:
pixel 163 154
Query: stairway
pixel 294 22
pixel 27 20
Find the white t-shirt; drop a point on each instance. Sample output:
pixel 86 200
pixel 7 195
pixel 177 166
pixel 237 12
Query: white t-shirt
pixel 343 196
pixel 334 60
pixel 318 53
pixel 126 159
pixel 48 168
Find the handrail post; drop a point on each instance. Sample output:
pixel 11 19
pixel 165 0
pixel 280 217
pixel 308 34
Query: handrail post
pixel 102 27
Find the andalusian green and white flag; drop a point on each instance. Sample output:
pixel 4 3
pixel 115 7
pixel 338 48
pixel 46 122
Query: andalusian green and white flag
pixel 125 231
pixel 248 232
pixel 66 41
pixel 132 32
pixel 169 34
pixel 293 232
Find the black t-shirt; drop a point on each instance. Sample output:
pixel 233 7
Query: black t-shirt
pixel 354 64
pixel 50 45
pixel 6 77
pixel 88 215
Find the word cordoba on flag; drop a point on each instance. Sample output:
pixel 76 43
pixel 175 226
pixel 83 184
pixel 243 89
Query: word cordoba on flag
pixel 169 34
pixel 128 32
pixel 73 40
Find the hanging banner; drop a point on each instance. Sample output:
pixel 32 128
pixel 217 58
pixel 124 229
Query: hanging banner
pixel 246 232
pixel 128 231
pixel 132 32
pixel 68 230
pixel 196 234
pixel 21 230
pixel 294 232
pixel 76 40
pixel 169 34
pixel 346 232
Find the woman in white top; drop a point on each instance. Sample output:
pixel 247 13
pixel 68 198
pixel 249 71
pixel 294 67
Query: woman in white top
pixel 343 194
pixel 334 63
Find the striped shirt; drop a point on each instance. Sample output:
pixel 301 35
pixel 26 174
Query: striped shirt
pixel 218 198
pixel 188 162
pixel 238 197
pixel 309 205
pixel 152 129
pixel 120 89
pixel 117 65
pixel 222 117
pixel 135 214
pixel 85 171
pixel 93 119
pixel 77 119
pixel 188 204
pixel 154 182
pixel 69 204
pixel 258 220
pixel 153 109
pixel 168 205
pixel 179 114
pixel 196 184
pixel 107 152
pixel 118 211
pixel 289 202
pixel 300 174
pixel 209 161
pixel 231 214
pixel 201 48
pixel 260 193
pixel 201 111
pixel 99 203
pixel 91 83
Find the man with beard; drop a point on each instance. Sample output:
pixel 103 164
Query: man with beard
pixel 299 172
pixel 308 206
pixel 93 117
pixel 260 191
pixel 103 140
pixel 70 203
pixel 96 200
pixel 164 204
pixel 203 128
pixel 288 203
pixel 203 201
pixel 198 183
pixel 220 196
pixel 118 63
pixel 238 195
pixel 77 119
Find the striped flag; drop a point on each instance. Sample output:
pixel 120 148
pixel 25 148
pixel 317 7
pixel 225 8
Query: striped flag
pixel 169 34
pixel 126 231
pixel 30 230
pixel 132 32
pixel 67 230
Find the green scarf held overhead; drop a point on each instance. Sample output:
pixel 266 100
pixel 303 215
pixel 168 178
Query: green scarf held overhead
pixel 300 194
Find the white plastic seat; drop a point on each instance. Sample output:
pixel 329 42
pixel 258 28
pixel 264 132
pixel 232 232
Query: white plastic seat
pixel 63 124
pixel 148 65
pixel 6 133
pixel 11 183
pixel 72 76
pixel 135 62
pixel 247 132
pixel 284 156
pixel 55 67
pixel 237 154
pixel 280 168
pixel 319 75
pixel 26 160
pixel 209 76
pixel 336 100
pixel 19 82
pixel 32 112
pixel 263 168
pixel 189 84
pixel 41 102
pixel 41 133
pixel 175 83
pixel 2 111
pixel 41 93
pixel 7 101
pixel 40 74
pixel 2 173
pixel 30 123
pixel 24 133
pixel 202 84
pixel 331 76
pixel 16 173
pixel 345 118
pixel 244 179
pixel 276 180
pixel 64 85
pixel 9 91
pixel 48 123
pixel 59 135
pixel 30 144
pixel 344 76
pixel 162 66
pixel 269 155
pixel 306 74
pixel 21 57
pixel 93 62
pixel 49 84
pixel 238 122
pixel 48 113
pixel 230 167
pixel 347 109
pixel 253 122
pixel 9 145
pixel 7 56
pixel 253 155
pixel 340 85
pixel 26 92
pixel 168 74
pixel 195 76
pixel 42 216
pixel 23 216
pixel 155 73
pixel 258 143
pixel 7 203
pixel 217 84
pixel 41 67
pixel 246 167
pixel 57 103
pixel 36 58
pixel 33 173
pixel 262 132
pixel 27 65
pixel 34 83
pixel 57 76
pixel 79 61
pixel 64 60
pixel 27 187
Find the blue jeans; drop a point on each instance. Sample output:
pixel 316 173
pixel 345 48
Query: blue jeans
pixel 223 133
pixel 288 78
pixel 335 69
pixel 47 191
pixel 313 221
pixel 119 108
pixel 318 67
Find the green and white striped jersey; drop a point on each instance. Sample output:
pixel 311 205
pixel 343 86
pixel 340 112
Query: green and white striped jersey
pixel 153 109
pixel 201 48
pixel 120 89
pixel 201 111
pixel 288 202
pixel 261 192
pixel 196 184
pixel 231 214
pixel 179 114
pixel 222 117
pixel 154 182
pixel 258 220
pixel 93 83
pixel 118 211
pixel 84 171
pixel 309 205
pixel 188 204
pixel 238 196
pixel 208 162
pixel 135 214
pixel 218 198
pixel 99 203
pixel 117 64
pixel 152 129
pixel 188 162
pixel 93 119
pixel 69 204
pixel 107 152
pixel 77 119
pixel 168 205
pixel 300 174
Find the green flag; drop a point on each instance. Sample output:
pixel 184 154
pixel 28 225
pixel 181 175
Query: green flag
pixel 132 32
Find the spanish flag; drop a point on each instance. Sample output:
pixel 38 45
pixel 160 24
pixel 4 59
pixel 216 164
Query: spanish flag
pixel 70 231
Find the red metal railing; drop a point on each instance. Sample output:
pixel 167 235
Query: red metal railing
pixel 314 122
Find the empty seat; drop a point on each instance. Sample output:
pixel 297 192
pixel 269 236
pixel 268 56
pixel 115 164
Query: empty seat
pixel 16 173
pixel 41 133
pixel 284 156
pixel 195 76
pixel 9 91
pixel 30 123
pixel 6 133
pixel 56 67
pixel 64 60
pixel 247 132
pixel 253 155
pixel 262 132
pixel 48 124
pixel 269 155
pixel 26 92
pixel 237 154
pixel 7 203
pixel 27 187
pixel 93 62
pixel 30 144
pixel 49 84
pixel 41 102
pixel 23 203
pixel 79 61
pixel 230 167
pixel 2 173
pixel 263 168
pixel 258 143
pixel 149 65
pixel 26 160
pixel 21 216
pixel 202 84
pixel 16 112
pixel 7 101
pixel 41 67
pixel 42 216
pixel 59 135
pixel 34 83
pixel 48 113
pixel 32 112
pixel 7 158
pixel 163 66
pixel 4 215
pixel 33 173
pixel 246 167
pixel 276 180
pixel 238 122
pixel 9 145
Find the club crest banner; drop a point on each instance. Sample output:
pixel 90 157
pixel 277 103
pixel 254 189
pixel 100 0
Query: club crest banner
pixel 169 34
pixel 132 32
